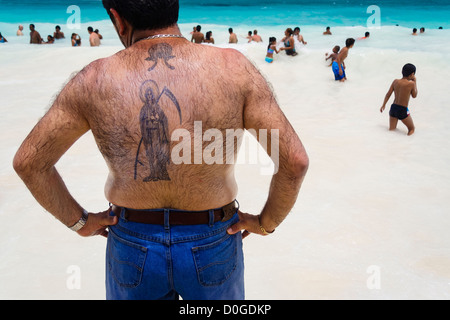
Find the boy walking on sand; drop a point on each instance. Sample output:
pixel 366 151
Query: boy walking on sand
pixel 404 89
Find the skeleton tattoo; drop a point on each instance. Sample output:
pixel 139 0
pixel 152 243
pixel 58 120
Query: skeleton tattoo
pixel 153 121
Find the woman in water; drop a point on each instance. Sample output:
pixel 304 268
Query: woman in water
pixel 76 40
pixel 271 49
pixel 209 38
pixel 289 43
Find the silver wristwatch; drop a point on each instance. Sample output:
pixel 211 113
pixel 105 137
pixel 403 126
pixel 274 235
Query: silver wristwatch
pixel 80 224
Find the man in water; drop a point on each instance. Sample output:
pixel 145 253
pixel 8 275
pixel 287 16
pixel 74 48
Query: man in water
pixel 20 31
pixel 94 39
pixel 58 34
pixel 233 36
pixel 299 36
pixel 366 36
pixel 35 37
pixel 174 228
pixel 198 36
pixel 338 65
pixel 404 89
pixel 256 37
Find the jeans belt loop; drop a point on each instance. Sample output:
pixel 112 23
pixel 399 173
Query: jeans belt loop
pixel 211 218
pixel 125 215
pixel 166 219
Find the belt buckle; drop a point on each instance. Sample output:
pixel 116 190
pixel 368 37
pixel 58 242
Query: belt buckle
pixel 229 211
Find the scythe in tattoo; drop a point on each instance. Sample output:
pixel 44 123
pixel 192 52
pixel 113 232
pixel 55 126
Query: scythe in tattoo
pixel 155 131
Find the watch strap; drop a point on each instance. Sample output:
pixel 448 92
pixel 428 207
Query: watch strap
pixel 80 224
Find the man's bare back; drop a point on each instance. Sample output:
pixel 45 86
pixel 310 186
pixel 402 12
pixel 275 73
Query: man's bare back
pixel 403 89
pixel 153 72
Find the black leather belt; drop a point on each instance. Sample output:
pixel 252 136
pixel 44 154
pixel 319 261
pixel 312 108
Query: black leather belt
pixel 176 217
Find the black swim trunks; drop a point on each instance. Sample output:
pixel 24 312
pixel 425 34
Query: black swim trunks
pixel 399 112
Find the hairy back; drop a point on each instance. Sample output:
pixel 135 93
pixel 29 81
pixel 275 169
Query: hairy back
pixel 149 108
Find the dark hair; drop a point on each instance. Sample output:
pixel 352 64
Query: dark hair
pixel 367 34
pixel 415 30
pixel 145 14
pixel 198 28
pixel 271 39
pixel 289 30
pixel 230 30
pixel 349 42
pixel 208 35
pixel 297 28
pixel 90 29
pixel 408 69
pixel 58 27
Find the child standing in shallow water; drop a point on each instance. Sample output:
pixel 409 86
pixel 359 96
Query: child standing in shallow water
pixel 271 49
pixel 404 89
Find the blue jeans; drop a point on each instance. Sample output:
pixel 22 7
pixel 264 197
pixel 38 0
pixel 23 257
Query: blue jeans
pixel 164 262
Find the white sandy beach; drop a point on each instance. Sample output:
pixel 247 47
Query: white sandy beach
pixel 372 198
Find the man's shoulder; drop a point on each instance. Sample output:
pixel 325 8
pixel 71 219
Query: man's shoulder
pixel 228 55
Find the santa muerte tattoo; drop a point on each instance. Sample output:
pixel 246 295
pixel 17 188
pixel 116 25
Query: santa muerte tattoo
pixel 153 121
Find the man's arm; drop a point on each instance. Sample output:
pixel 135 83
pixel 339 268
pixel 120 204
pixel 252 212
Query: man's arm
pixel 414 91
pixel 387 97
pixel 35 160
pixel 261 111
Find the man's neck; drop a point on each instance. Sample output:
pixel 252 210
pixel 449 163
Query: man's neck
pixel 142 34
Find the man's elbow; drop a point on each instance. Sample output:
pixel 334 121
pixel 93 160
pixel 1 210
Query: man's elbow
pixel 19 165
pixel 22 166
pixel 298 166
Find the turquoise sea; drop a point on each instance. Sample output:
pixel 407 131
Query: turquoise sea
pixel 430 14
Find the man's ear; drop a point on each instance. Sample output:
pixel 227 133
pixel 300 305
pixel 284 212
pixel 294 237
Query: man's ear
pixel 119 22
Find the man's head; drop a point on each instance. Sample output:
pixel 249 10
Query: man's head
pixel 32 27
pixel 230 30
pixel 90 29
pixel 408 70
pixel 198 28
pixel 349 42
pixel 145 14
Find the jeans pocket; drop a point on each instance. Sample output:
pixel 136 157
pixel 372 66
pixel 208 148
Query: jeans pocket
pixel 216 262
pixel 125 261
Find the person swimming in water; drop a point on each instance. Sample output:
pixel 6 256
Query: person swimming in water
pixel 271 49
pixel 403 89
pixel 289 43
